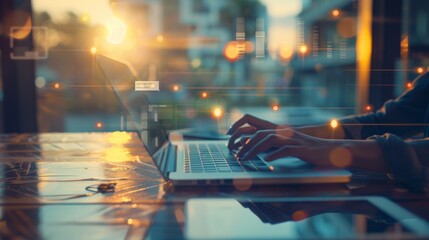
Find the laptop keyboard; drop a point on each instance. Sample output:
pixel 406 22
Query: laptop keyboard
pixel 214 158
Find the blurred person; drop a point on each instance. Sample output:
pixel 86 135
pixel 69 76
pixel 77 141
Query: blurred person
pixel 393 140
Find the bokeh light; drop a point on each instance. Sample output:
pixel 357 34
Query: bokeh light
pixel 176 88
pixel 231 51
pixel 21 31
pixel 242 184
pixel 409 85
pixel 249 47
pixel 217 112
pixel 340 157
pixel 368 108
pixel 196 63
pixel 286 52
pixel 303 49
pixel 334 123
pixel 57 85
pixel 160 38
pixel 346 27
pixel 275 108
pixel 299 215
pixel 40 82
pixel 204 95
pixel 420 70
pixel 99 125
pixel 335 13
pixel 93 50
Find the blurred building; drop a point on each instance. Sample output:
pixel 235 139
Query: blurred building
pixel 325 62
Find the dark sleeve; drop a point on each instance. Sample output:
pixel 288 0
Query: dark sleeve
pixel 403 162
pixel 404 116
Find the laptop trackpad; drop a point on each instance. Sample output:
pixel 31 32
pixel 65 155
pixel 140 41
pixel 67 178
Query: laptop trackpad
pixel 288 164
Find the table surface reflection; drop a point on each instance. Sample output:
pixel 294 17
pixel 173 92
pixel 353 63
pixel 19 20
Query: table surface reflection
pixel 49 189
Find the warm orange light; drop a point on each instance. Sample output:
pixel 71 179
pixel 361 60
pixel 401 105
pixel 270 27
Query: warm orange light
pixel 303 49
pixel 286 52
pixel 176 88
pixel 204 94
pixel 99 125
pixel 160 38
pixel 21 32
pixel 231 51
pixel 217 112
pixel 85 18
pixel 335 13
pixel 299 215
pixel 275 108
pixel 420 70
pixel 334 123
pixel 368 107
pixel 340 157
pixel 249 46
pixel 57 85
pixel 409 85
pixel 93 50
pixel 346 27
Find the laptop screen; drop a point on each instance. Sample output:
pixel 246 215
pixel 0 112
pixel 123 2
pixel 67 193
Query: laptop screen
pixel 141 116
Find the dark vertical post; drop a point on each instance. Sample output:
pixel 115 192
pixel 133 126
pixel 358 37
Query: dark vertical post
pixel 19 102
pixel 386 49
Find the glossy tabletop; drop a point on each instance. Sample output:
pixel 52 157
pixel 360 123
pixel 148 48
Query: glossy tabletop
pixel 105 186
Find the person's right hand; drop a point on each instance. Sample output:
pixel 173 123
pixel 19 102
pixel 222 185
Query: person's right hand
pixel 248 125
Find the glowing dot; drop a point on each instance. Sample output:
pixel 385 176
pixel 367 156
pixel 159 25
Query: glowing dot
pixel 204 94
pixel 242 184
pixel 299 215
pixel 160 38
pixel 368 107
pixel 130 221
pixel 409 85
pixel 335 12
pixel 303 49
pixel 57 85
pixel 99 125
pixel 346 27
pixel 231 51
pixel 334 123
pixel 85 18
pixel 196 63
pixel 217 112
pixel 275 108
pixel 176 88
pixel 40 82
pixel 420 70
pixel 340 157
pixel 93 50
pixel 249 47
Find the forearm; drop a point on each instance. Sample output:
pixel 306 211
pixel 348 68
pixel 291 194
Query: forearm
pixel 364 154
pixel 322 131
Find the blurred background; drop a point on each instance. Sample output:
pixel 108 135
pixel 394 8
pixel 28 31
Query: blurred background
pixel 294 62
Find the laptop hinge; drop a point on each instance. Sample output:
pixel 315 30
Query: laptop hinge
pixel 171 158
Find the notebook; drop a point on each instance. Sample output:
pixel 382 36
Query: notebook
pixel 198 161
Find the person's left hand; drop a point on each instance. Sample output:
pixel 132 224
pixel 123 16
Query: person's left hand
pixel 288 142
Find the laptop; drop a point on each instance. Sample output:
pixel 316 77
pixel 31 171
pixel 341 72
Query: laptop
pixel 198 161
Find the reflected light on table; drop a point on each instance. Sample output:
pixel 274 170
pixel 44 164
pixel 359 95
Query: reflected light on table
pixel 119 138
pixel 117 154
